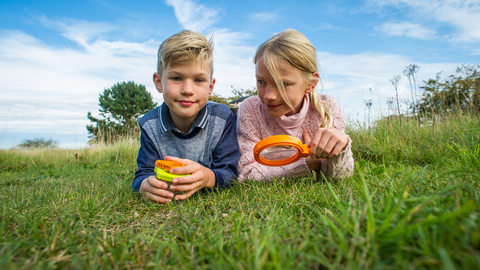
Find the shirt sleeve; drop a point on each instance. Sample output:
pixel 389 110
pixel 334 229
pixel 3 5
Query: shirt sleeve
pixel 225 155
pixel 251 128
pixel 147 155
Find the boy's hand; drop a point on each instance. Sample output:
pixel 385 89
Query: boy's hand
pixel 326 142
pixel 200 177
pixel 155 189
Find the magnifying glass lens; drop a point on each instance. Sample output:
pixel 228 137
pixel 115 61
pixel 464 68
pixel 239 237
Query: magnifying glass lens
pixel 279 152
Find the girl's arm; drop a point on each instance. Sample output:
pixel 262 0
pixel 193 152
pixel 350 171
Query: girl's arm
pixel 341 165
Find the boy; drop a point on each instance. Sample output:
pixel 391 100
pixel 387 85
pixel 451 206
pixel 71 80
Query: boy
pixel 186 127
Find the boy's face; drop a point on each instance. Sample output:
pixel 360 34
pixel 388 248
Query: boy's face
pixel 185 88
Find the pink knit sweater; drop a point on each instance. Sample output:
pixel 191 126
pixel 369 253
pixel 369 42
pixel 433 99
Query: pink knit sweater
pixel 254 124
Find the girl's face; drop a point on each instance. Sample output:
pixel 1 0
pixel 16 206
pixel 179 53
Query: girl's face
pixel 295 88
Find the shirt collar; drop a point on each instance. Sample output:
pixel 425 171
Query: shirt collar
pixel 166 122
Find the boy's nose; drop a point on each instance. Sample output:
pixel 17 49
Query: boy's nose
pixel 187 88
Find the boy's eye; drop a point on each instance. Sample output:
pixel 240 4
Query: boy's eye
pixel 199 80
pixel 176 78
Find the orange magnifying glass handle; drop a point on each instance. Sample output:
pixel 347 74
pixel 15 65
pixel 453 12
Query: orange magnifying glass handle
pixel 280 150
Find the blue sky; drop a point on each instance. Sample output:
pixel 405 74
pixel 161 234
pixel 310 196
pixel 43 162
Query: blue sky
pixel 56 57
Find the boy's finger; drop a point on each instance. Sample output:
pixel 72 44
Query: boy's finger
pixel 159 192
pixel 186 187
pixel 181 160
pixel 156 198
pixel 185 195
pixel 157 183
pixel 190 168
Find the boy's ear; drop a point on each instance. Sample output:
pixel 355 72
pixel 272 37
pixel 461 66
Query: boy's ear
pixel 210 87
pixel 313 82
pixel 157 80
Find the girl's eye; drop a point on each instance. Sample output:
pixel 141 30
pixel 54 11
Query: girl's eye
pixel 286 84
pixel 261 82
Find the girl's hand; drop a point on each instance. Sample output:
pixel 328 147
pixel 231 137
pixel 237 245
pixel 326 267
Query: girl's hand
pixel 155 190
pixel 326 142
pixel 200 177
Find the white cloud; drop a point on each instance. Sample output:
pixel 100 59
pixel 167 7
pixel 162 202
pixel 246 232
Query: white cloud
pixel 349 79
pixel 193 16
pixel 264 17
pixel 233 62
pixel 51 89
pixel 406 29
pixel 461 14
pixel 81 32
pixel 47 89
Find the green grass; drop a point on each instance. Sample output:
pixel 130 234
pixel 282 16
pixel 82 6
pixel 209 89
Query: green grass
pixel 413 203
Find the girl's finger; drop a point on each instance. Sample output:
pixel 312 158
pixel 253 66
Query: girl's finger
pixel 329 148
pixel 338 148
pixel 306 137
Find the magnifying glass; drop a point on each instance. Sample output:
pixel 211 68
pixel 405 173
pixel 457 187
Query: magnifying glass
pixel 280 150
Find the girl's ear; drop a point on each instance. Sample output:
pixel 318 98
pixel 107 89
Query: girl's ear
pixel 313 82
pixel 157 80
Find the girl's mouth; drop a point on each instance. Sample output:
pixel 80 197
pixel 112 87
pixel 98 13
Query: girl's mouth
pixel 271 107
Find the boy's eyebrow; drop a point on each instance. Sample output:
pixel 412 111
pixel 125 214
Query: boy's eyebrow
pixel 173 72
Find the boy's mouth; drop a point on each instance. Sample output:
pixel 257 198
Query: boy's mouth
pixel 186 103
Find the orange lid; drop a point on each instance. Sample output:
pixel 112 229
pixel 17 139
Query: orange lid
pixel 168 164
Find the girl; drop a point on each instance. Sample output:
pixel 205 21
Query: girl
pixel 287 74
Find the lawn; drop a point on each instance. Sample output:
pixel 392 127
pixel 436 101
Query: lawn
pixel 413 203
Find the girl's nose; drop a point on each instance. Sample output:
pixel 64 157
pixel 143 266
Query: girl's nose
pixel 271 93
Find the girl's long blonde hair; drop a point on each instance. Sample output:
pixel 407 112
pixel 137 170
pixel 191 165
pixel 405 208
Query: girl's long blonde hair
pixel 294 48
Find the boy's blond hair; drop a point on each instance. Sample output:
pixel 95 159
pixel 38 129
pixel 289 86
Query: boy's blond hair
pixel 185 47
pixel 294 48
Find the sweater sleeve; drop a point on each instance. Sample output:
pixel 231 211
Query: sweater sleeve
pixel 225 155
pixel 342 165
pixel 251 128
pixel 147 155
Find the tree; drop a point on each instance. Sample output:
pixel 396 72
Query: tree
pixel 454 93
pixel 38 143
pixel 236 95
pixel 218 99
pixel 243 93
pixel 121 106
